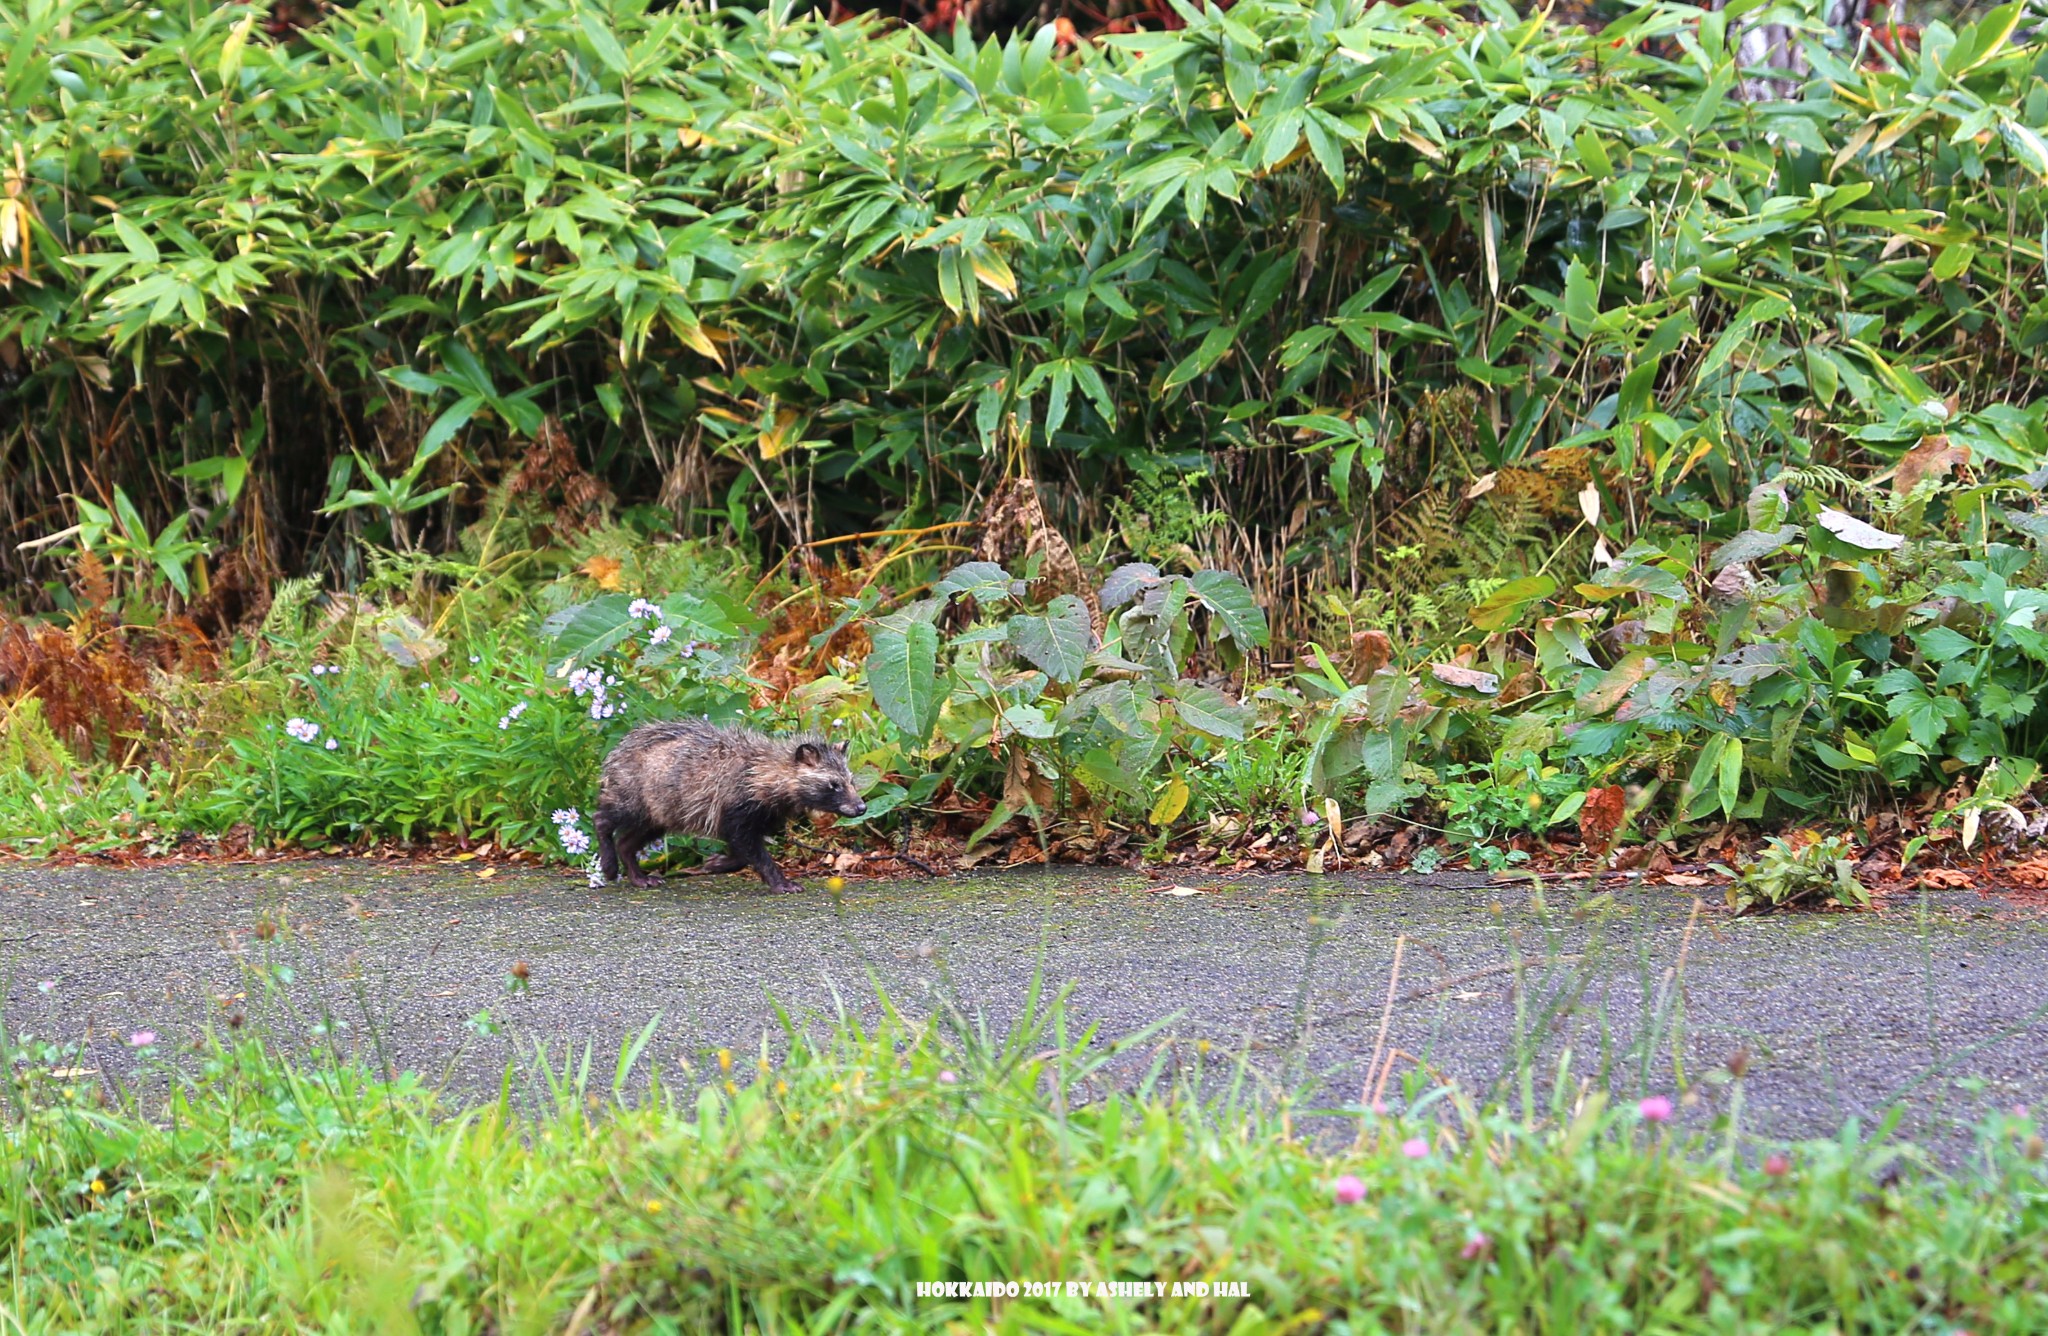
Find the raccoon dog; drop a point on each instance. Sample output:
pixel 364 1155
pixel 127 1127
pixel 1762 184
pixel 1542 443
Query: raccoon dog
pixel 694 777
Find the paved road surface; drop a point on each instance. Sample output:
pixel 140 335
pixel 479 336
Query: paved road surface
pixel 1940 1001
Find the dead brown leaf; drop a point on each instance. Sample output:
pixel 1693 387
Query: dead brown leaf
pixel 1370 652
pixel 1024 789
pixel 2033 873
pixel 1934 458
pixel 1601 817
pixel 605 571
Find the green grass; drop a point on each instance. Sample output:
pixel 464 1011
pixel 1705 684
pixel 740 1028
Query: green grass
pixel 814 1191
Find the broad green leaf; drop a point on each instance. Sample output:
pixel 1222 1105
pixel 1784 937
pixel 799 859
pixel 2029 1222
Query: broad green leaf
pixel 1232 603
pixel 1207 710
pixel 1581 298
pixel 1754 545
pixel 1204 358
pixel 903 674
pixel 584 632
pixel 1058 642
pixel 603 42
pixel 980 580
pixel 1731 777
pixel 1505 606
pixel 136 240
pixel 445 426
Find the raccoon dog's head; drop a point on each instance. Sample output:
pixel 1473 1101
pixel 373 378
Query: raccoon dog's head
pixel 824 780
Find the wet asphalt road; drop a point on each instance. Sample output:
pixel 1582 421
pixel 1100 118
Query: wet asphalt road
pixel 1941 1003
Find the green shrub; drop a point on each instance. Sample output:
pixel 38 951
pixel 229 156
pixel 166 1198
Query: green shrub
pixel 796 277
pixel 1795 871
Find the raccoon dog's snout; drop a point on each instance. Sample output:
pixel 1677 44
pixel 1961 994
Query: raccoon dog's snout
pixel 853 806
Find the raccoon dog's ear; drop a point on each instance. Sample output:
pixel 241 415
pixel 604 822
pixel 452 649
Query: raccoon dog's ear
pixel 807 753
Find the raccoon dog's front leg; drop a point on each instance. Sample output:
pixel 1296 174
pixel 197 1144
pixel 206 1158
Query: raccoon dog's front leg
pixel 620 837
pixel 746 840
pixel 607 850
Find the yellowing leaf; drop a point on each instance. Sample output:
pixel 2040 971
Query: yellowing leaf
pixel 1421 145
pixel 782 435
pixel 605 570
pixel 231 50
pixel 695 337
pixel 994 270
pixel 1173 800
pixel 13 225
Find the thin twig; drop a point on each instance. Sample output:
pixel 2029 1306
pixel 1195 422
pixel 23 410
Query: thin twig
pixel 1376 1077
pixel 891 533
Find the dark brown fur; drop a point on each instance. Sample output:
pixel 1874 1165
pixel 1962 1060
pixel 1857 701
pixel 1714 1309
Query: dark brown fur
pixel 693 777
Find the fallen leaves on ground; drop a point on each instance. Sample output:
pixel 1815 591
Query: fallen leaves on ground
pixel 2033 873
